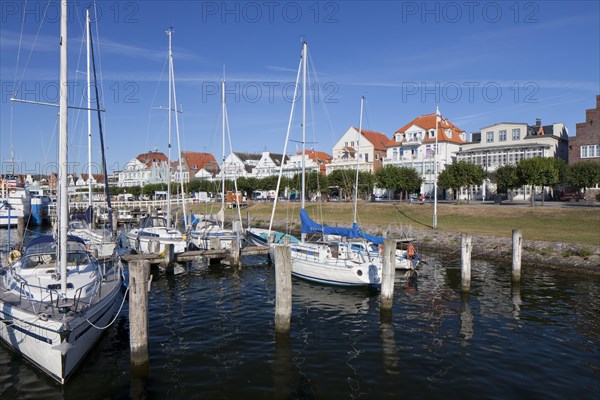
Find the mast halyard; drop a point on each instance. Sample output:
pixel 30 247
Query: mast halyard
pixel 169 32
pixel 63 162
pixel 304 57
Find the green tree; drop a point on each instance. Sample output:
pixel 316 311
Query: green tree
pixel 388 178
pixel 410 179
pixel 584 174
pixel 461 174
pixel 393 178
pixel 344 179
pixel 507 178
pixel 366 182
pixel 537 171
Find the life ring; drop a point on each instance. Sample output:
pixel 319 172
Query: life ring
pixel 410 251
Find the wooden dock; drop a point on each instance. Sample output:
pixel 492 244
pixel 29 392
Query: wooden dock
pixel 196 255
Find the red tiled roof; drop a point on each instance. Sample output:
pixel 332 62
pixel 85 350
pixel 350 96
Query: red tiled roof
pixel 200 161
pixel 318 156
pixel 98 177
pixel 427 122
pixel 378 140
pixel 151 157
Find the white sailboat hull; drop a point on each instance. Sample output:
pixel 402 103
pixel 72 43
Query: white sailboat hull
pixel 40 340
pixel 154 244
pixel 312 262
pixel 96 241
pixel 19 200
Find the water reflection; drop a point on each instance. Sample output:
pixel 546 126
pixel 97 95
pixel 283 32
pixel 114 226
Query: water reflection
pixel 466 320
pixel 212 336
pixel 391 358
pixel 516 300
pixel 282 367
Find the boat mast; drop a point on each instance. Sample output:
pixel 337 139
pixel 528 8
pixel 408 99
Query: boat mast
pixel 435 169
pixel 222 217
pixel 169 33
pixel 362 101
pixel 89 104
pixel 287 137
pixel 62 155
pixel 304 57
pixel 101 136
pixel 178 144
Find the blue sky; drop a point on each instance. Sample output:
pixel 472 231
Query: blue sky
pixel 482 62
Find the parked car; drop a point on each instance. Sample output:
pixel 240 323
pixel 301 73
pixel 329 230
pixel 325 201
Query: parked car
pixel 572 196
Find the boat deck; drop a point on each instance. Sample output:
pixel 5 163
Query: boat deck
pixel 9 299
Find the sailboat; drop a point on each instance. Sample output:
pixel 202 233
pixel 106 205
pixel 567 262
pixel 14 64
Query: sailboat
pixel 99 241
pixel 333 263
pixel 15 202
pixel 358 241
pixel 205 231
pixel 55 300
pixel 155 233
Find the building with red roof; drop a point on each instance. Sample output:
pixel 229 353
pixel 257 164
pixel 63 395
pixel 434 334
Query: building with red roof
pixel 315 161
pixel 369 146
pixel 414 145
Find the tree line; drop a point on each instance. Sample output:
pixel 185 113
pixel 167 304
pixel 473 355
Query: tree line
pixel 534 172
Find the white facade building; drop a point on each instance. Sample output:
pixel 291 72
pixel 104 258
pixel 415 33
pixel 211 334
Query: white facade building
pixel 238 165
pixel 510 142
pixel 315 161
pixel 147 168
pixel 414 146
pixel 370 146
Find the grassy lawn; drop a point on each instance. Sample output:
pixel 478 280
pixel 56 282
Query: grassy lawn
pixel 554 224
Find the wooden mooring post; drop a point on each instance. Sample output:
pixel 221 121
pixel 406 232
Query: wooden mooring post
pixel 235 253
pixel 20 231
pixel 388 274
pixel 517 242
pixel 283 289
pixel 465 262
pixel 139 276
pixel 115 221
pixel 169 257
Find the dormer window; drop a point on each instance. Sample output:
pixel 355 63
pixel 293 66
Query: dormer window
pixel 432 133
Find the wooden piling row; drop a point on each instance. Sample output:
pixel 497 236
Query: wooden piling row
pixel 517 242
pixel 388 274
pixel 139 275
pixel 283 288
pixel 465 262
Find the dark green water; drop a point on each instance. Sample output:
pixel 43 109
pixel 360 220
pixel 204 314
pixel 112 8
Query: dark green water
pixel 212 336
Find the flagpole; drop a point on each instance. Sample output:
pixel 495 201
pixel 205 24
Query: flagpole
pixel 435 169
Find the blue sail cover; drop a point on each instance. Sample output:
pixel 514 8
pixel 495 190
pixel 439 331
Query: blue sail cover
pixel 310 226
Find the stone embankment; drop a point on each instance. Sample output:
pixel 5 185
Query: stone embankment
pixel 559 256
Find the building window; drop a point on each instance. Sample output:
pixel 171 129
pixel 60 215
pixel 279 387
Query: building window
pixel 516 134
pixel 490 137
pixel 590 151
pixel 502 136
pixel 366 157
